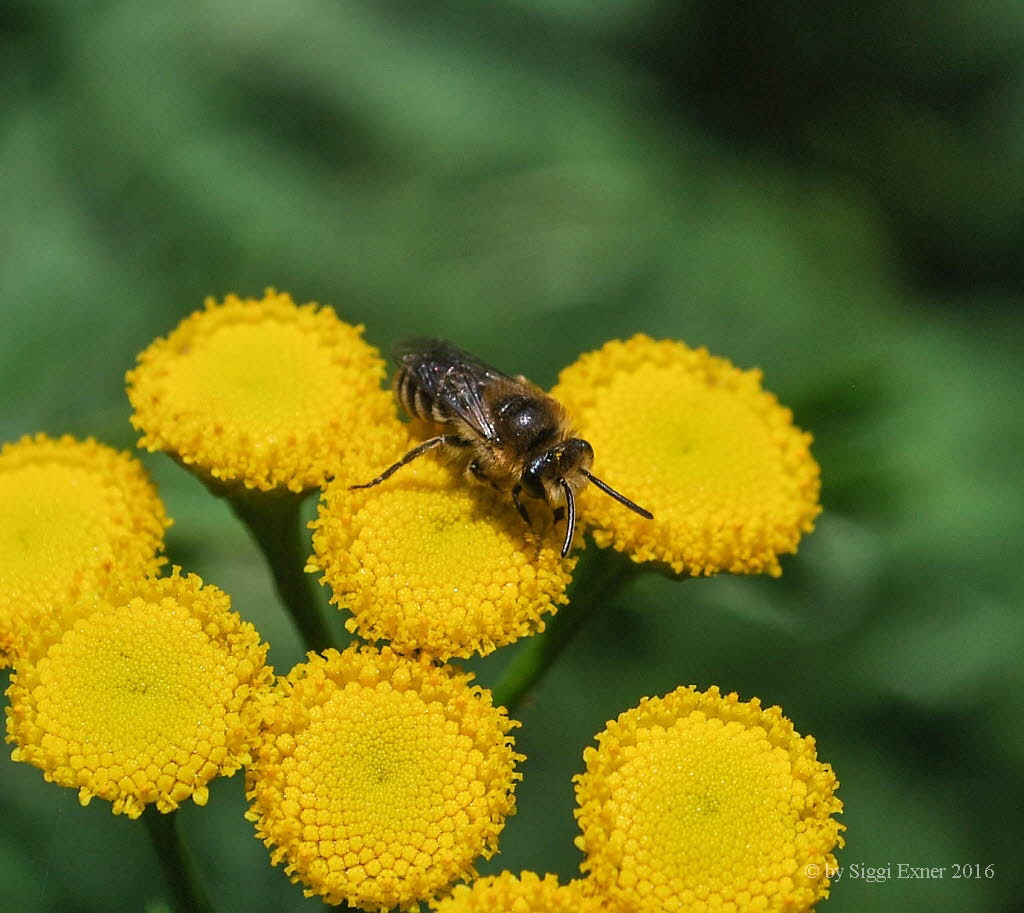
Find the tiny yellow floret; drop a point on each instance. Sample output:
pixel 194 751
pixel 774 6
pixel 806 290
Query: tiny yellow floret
pixel 698 802
pixel 263 393
pixel 74 514
pixel 142 696
pixel 381 779
pixel 730 480
pixel 527 893
pixel 431 562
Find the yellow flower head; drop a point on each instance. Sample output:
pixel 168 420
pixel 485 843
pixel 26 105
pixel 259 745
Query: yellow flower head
pixel 263 393
pixel 142 696
pixel 529 893
pixel 380 779
pixel 730 480
pixel 74 514
pixel 697 802
pixel 432 562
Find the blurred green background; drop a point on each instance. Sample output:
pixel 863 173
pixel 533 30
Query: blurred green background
pixel 831 192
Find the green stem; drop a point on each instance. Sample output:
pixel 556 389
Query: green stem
pixel 598 575
pixel 180 872
pixel 274 521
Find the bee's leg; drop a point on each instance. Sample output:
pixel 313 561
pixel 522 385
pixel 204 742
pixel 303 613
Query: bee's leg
pixel 476 470
pixel 519 505
pixel 447 440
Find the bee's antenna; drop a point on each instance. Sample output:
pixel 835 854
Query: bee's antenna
pixel 622 499
pixel 570 519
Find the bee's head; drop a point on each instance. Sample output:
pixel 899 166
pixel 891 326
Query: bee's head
pixel 546 474
pixel 555 473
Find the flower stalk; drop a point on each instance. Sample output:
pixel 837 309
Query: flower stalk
pixel 599 575
pixel 179 869
pixel 274 520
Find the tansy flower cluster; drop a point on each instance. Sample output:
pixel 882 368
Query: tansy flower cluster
pixel 75 515
pixel 140 696
pixel 507 893
pixel 730 480
pixel 380 779
pixel 698 802
pixel 430 563
pixel 263 393
pixel 378 776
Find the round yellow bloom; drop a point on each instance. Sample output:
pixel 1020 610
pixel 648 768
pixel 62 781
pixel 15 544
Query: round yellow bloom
pixel 380 779
pixel 730 480
pixel 264 393
pixel 698 802
pixel 432 562
pixel 529 893
pixel 74 514
pixel 142 696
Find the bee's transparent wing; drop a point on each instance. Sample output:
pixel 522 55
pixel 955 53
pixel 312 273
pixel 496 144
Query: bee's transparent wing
pixel 455 379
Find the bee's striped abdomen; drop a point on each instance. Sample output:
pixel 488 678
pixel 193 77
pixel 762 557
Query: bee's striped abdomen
pixel 417 400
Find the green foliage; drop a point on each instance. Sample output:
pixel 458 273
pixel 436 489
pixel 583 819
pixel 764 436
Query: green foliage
pixel 835 198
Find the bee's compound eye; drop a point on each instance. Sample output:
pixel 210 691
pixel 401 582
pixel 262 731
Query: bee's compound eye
pixel 578 454
pixel 533 476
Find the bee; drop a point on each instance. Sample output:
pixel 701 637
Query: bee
pixel 514 436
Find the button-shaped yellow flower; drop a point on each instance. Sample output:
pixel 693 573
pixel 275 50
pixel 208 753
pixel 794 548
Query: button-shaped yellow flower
pixel 380 779
pixel 74 513
pixel 697 802
pixel 730 480
pixel 529 893
pixel 433 562
pixel 264 393
pixel 142 696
